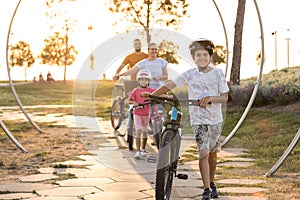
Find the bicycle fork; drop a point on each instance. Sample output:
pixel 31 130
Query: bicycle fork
pixel 175 157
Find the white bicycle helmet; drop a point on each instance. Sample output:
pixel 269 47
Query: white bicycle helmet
pixel 144 73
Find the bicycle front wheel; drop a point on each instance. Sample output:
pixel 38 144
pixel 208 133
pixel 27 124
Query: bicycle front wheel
pixel 157 127
pixel 165 167
pixel 116 114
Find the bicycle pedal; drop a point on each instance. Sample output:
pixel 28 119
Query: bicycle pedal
pixel 182 176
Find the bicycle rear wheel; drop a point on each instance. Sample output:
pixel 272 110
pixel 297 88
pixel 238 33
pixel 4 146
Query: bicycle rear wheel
pixel 116 115
pixel 165 167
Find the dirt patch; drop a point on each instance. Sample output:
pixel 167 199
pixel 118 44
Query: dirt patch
pixel 55 144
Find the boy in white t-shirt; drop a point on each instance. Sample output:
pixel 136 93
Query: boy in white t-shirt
pixel 209 85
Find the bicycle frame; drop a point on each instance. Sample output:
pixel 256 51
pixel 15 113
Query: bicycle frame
pixel 157 119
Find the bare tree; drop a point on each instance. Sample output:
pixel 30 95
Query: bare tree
pixel 21 55
pixel 144 14
pixel 237 47
pixel 59 19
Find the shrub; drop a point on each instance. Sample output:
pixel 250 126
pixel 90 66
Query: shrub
pixel 278 87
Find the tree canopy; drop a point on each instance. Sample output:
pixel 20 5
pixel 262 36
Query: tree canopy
pixel 21 53
pixel 146 14
pixel 56 51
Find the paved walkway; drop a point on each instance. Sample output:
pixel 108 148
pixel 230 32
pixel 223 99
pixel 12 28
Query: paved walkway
pixel 111 173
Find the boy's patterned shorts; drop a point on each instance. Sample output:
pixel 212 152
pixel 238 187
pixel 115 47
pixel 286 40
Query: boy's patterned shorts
pixel 207 138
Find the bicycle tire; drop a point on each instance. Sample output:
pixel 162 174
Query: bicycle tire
pixel 116 115
pixel 164 171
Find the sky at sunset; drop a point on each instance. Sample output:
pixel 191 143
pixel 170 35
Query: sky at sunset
pixel 30 25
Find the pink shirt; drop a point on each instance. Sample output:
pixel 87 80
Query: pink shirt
pixel 136 96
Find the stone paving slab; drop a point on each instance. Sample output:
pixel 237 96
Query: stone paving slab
pixel 24 187
pixel 240 198
pixel 150 177
pixel 86 182
pixel 68 191
pixel 54 198
pixel 49 170
pixel 235 164
pixel 241 181
pixel 187 183
pixel 76 162
pixel 179 193
pixel 237 159
pixel 17 196
pixel 37 177
pixel 241 190
pixel 232 152
pixel 130 195
pixel 125 186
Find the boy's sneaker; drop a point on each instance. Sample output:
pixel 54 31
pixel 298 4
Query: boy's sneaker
pixel 207 194
pixel 214 192
pixel 143 153
pixel 137 155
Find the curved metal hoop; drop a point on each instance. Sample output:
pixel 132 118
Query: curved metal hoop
pixel 284 155
pixel 12 138
pixel 226 37
pixel 257 84
pixel 8 72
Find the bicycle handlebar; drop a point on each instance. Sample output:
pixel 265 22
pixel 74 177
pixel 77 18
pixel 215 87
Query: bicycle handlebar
pixel 175 102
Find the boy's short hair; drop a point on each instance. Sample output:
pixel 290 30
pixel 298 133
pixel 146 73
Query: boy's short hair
pixel 202 44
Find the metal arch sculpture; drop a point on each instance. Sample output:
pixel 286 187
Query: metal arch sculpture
pixel 284 155
pixel 8 72
pixel 226 37
pixel 12 138
pixel 257 83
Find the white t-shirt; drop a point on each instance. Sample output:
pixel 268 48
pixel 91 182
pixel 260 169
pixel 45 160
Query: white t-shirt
pixel 155 67
pixel 200 85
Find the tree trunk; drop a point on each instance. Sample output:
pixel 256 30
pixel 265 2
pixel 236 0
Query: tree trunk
pixel 237 48
pixel 66 55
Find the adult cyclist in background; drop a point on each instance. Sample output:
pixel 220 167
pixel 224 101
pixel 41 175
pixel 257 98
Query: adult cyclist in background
pixel 156 66
pixel 131 59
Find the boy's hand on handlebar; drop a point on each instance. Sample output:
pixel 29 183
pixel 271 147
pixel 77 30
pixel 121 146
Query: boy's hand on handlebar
pixel 204 101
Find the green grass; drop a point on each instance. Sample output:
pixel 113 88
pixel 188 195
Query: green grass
pixel 266 134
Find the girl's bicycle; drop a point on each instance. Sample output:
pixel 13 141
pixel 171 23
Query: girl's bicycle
pixel 170 140
pixel 119 112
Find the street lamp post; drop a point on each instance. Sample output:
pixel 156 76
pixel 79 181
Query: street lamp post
pixel 288 47
pixel 92 58
pixel 275 36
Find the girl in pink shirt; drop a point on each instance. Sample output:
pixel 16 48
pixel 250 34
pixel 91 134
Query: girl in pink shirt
pixel 141 113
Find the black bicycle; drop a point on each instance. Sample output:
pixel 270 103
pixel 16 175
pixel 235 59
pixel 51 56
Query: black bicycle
pixel 170 140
